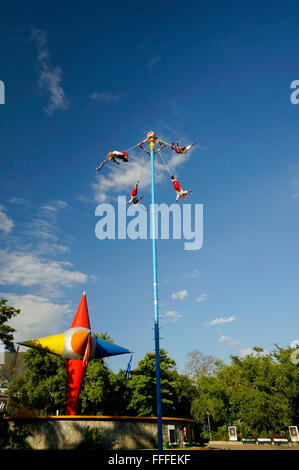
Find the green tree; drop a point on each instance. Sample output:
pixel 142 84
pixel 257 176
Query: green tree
pixel 43 385
pixel 211 398
pixel 105 336
pixel 17 396
pixel 104 392
pixel 288 378
pixel 185 393
pixel 254 392
pixel 143 385
pixel 258 391
pixel 95 388
pixel 6 332
pixel 119 395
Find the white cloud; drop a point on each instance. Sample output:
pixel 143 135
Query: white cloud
pixel 44 226
pixel 203 296
pixel 28 270
pixel 180 295
pixel 39 232
pixel 228 341
pixel 54 206
pixel 42 229
pixel 6 224
pixel 294 343
pixel 41 41
pixel 172 316
pixel 38 317
pixel 50 80
pixel 106 97
pixel 83 198
pixel 50 77
pixel 252 352
pixel 32 256
pixel 94 277
pixel 17 200
pixel 192 275
pixel 153 61
pixel 216 321
pixel 45 248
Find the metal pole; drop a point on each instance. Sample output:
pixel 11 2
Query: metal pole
pixel 155 285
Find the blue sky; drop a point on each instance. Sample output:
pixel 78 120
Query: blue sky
pixel 82 79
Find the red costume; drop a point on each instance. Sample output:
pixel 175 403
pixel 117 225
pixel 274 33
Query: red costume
pixel 176 185
pixel 180 192
pixel 134 192
pixel 134 199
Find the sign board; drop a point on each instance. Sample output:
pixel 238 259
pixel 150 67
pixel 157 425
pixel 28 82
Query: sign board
pixel 171 434
pixel 232 433
pixel 294 433
pixel 185 432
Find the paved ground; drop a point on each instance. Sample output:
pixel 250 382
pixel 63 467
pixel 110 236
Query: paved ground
pixel 250 447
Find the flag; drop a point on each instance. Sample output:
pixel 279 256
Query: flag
pixel 128 371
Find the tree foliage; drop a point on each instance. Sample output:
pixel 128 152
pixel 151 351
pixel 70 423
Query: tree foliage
pixel 259 391
pixel 6 332
pixel 185 393
pixel 143 387
pixel 198 364
pixel 96 383
pixel 43 385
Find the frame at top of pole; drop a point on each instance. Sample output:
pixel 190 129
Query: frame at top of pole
pixel 151 138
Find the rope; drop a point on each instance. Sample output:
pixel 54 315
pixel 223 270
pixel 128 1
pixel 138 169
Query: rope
pixel 137 145
pixel 165 163
pixel 145 151
pixel 163 141
pixel 141 167
pixel 128 150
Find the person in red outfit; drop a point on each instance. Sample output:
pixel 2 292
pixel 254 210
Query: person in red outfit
pixel 180 192
pixel 112 156
pixel 134 199
pixel 182 150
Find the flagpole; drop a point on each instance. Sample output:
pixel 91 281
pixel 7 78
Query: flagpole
pixel 155 286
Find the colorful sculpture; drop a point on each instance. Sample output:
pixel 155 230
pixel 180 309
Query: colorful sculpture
pixel 77 346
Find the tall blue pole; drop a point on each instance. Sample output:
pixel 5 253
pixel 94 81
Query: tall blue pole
pixel 156 312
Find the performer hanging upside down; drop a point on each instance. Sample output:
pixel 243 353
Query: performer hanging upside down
pixel 183 150
pixel 180 192
pixel 134 199
pixel 112 156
